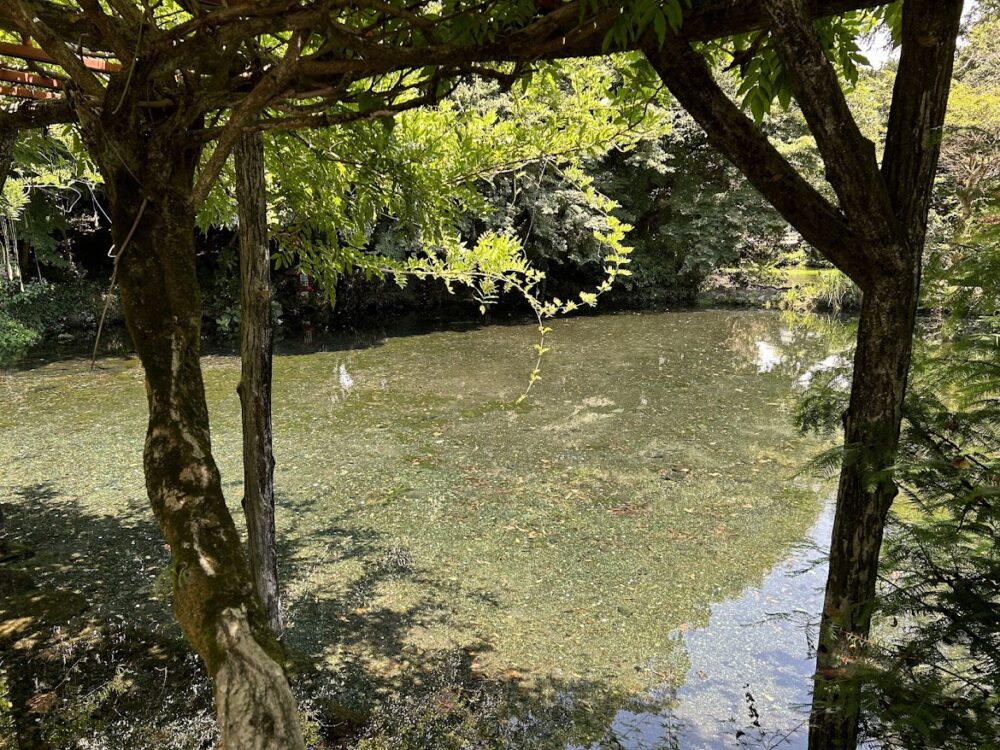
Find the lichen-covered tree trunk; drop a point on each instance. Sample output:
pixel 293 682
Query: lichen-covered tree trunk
pixel 256 342
pixel 214 598
pixel 875 234
pixel 864 496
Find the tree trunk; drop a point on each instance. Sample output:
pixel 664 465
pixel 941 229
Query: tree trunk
pixel 7 138
pixel 864 496
pixel 8 243
pixel 214 598
pixel 256 341
pixel 875 235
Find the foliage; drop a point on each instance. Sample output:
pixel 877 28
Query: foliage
pixel 338 195
pixel 761 78
pixel 824 290
pixel 335 193
pixel 938 675
pixel 51 192
pixel 48 310
pixel 690 210
pixel 978 61
pixel 15 338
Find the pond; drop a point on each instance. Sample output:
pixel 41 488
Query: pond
pixel 595 550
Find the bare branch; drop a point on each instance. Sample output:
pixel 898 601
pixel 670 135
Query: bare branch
pixel 919 101
pixel 728 129
pixel 850 159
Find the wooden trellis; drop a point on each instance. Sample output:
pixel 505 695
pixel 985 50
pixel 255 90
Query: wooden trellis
pixel 21 83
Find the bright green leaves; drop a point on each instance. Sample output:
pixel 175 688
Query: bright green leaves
pixel 497 264
pixel 761 77
pixel 404 201
pixel 639 16
pixel 51 177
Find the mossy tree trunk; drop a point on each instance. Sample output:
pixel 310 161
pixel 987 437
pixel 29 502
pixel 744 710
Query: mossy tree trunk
pixel 148 175
pixel 256 348
pixel 875 234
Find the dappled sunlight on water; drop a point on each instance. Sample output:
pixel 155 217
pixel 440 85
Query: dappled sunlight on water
pixel 577 544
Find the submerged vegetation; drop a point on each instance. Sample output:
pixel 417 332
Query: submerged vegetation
pixel 398 554
pixel 451 564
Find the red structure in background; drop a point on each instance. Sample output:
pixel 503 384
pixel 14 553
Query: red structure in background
pixel 36 84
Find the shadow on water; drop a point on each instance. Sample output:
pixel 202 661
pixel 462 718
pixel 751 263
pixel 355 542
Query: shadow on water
pixel 536 577
pixel 752 656
pixel 428 696
pixel 117 668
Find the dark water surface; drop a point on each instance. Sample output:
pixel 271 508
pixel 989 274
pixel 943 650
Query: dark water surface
pixel 614 543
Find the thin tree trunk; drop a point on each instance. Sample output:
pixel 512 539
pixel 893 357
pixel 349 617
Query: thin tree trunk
pixel 864 496
pixel 256 342
pixel 8 137
pixel 214 599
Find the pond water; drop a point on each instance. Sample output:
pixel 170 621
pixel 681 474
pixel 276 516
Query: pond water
pixel 616 552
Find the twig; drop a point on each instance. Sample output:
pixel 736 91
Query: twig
pixel 114 278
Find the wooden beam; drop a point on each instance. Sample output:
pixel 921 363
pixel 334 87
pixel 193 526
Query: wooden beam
pixel 30 79
pixel 20 92
pixel 29 52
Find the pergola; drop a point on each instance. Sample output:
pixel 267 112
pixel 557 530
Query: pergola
pixel 28 82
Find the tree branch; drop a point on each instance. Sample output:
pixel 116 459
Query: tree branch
pixel 269 87
pixel 919 101
pixel 325 120
pixel 688 78
pixel 115 41
pixel 67 24
pixel 28 114
pixel 562 33
pixel 850 159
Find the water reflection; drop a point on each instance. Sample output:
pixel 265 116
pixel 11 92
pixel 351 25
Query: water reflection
pixel 767 356
pixel 751 666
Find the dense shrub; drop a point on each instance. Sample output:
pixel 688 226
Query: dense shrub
pixel 53 309
pixel 826 290
pixel 14 338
